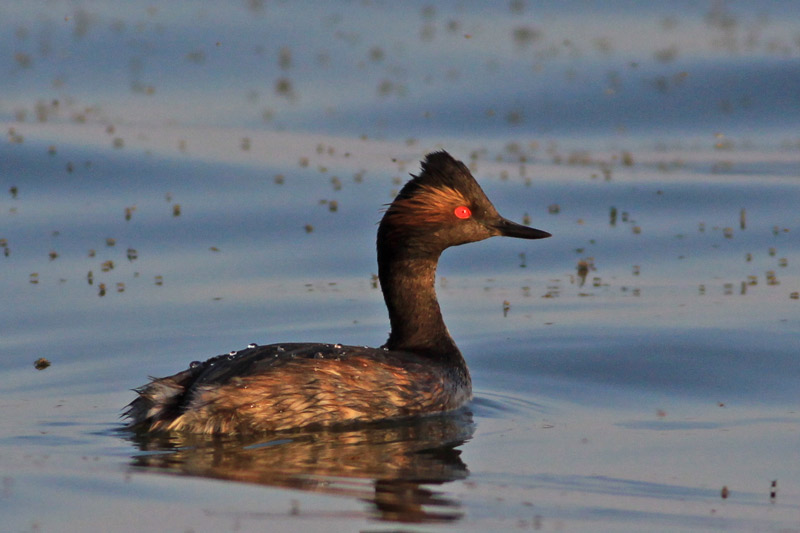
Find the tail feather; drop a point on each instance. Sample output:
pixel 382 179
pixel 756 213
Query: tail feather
pixel 160 401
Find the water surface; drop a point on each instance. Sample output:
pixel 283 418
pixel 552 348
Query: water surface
pixel 220 170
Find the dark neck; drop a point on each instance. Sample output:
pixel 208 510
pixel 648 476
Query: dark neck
pixel 408 289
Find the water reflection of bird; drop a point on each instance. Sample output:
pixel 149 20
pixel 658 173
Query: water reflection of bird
pixel 419 370
pixel 390 466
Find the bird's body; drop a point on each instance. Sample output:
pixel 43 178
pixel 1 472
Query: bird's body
pixel 418 371
pixel 285 386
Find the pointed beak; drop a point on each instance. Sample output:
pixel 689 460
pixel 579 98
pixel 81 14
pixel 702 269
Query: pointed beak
pixel 506 228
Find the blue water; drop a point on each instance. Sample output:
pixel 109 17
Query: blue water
pixel 254 146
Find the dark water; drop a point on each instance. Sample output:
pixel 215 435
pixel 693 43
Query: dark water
pixel 629 371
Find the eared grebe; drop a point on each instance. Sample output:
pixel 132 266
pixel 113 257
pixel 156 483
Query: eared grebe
pixel 419 370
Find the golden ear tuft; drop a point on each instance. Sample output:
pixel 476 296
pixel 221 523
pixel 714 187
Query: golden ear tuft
pixel 428 205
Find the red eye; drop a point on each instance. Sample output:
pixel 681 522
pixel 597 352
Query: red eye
pixel 462 211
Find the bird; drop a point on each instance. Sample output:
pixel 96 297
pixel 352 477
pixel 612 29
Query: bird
pixel 418 371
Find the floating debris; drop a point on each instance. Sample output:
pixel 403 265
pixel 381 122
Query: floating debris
pixel 176 210
pixel 743 219
pixel 101 290
pixel 41 363
pixel 159 280
pixel 772 279
pixel 627 159
pixel 107 265
pixel 53 255
pixel 111 242
pixel 728 288
pixel 553 209
pixel 506 307
pixel 612 216
pixel 725 492
pixel 34 278
pixel 583 268
pixel 283 87
pixel 14 137
pixel 120 286
pixel 309 228
pixel 132 254
pixel 553 291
